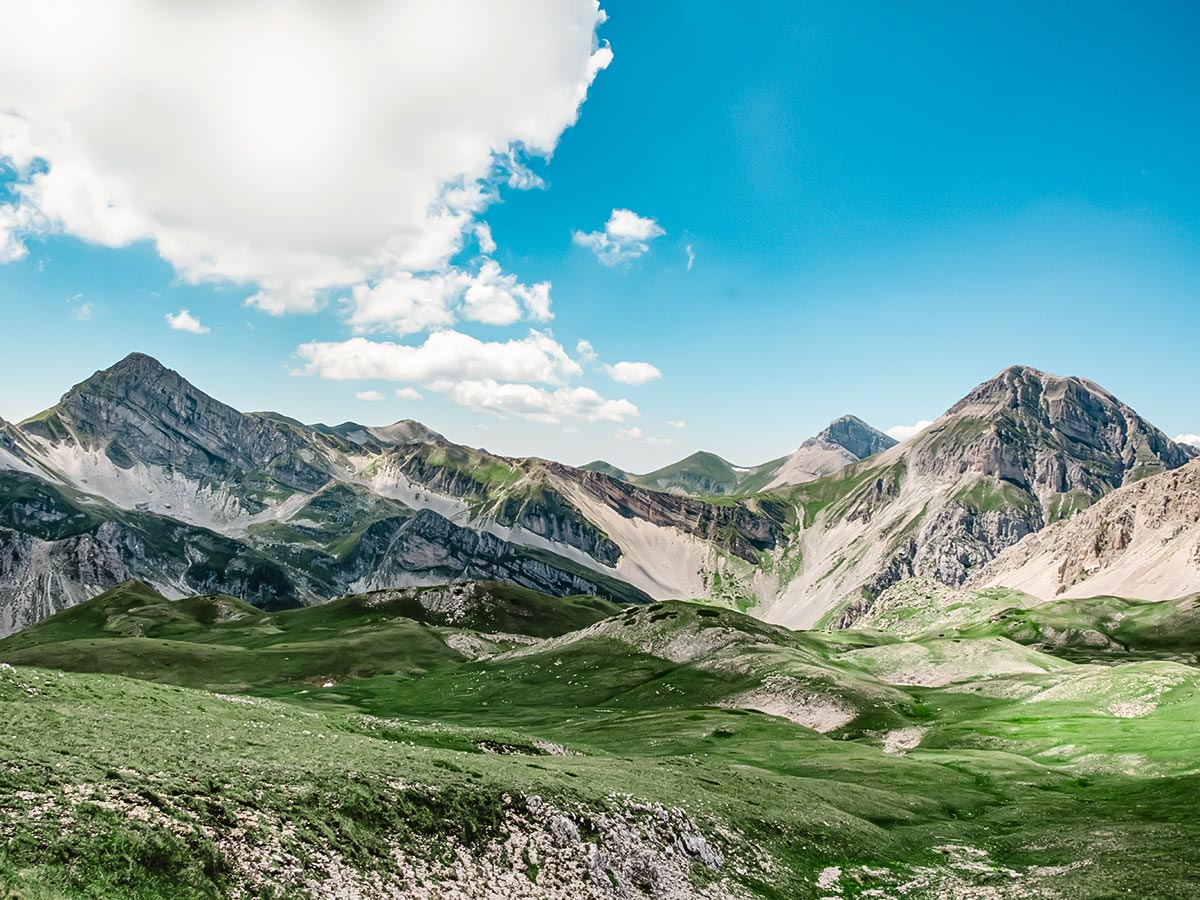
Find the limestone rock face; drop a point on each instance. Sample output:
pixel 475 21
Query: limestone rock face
pixel 855 436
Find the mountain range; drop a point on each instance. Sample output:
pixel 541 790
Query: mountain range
pixel 136 473
pixel 844 441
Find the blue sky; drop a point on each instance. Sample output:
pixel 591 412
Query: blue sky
pixel 886 205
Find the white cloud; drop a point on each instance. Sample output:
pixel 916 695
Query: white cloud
pixel 1193 439
pixel 185 321
pixel 520 176
pixel 370 395
pixel 297 147
pixel 624 372
pixel 492 298
pixel 443 355
pixel 536 404
pixel 677 423
pixel 483 234
pixel 626 236
pixel 408 304
pixel 13 222
pixel 691 257
pixel 904 432
pixel 632 372
pixel 586 352
pixel 409 393
pixel 404 304
pixel 636 434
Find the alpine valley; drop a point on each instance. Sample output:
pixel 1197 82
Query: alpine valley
pixel 247 657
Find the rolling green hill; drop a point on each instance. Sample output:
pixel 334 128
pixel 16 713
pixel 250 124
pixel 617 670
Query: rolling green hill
pixel 451 741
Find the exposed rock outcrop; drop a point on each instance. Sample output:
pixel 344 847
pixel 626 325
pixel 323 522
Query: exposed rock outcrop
pixel 1141 541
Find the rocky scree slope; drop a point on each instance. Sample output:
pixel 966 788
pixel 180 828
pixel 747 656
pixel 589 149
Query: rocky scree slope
pixel 1140 541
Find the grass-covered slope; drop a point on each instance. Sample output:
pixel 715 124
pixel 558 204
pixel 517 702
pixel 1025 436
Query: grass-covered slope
pixel 1090 628
pixel 222 643
pixel 455 742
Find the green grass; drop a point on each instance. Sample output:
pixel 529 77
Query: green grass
pixel 221 643
pixel 120 788
pixel 993 495
pixel 833 493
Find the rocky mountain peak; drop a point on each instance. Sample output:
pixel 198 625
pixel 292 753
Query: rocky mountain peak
pixel 139 411
pixel 1022 450
pixel 1046 433
pixel 842 442
pixel 854 435
pixel 1024 387
pixel 140 386
pixel 138 363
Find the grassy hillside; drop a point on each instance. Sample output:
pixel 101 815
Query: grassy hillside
pixel 429 743
pixel 222 643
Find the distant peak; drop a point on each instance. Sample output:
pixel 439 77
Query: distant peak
pixel 405 431
pixel 1020 371
pixel 706 456
pixel 855 436
pixel 137 361
pixel 134 369
pixel 847 421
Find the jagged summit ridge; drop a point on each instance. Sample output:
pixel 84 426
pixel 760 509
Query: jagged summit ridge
pixel 1047 434
pixel 142 471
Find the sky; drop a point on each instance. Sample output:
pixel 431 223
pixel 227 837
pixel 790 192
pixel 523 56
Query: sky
pixel 631 233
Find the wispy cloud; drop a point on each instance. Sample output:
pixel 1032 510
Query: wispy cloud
pixel 632 372
pixel 691 257
pixel 636 434
pixel 625 236
pixel 536 404
pixel 904 432
pixel 586 352
pixel 369 395
pixel 82 309
pixel 677 423
pixel 185 321
pixel 483 234
pixel 1193 439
